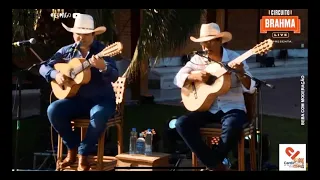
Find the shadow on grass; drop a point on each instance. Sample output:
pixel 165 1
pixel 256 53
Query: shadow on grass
pixel 283 131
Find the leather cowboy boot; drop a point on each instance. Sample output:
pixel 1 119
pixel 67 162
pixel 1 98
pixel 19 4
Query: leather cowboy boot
pixel 70 159
pixel 83 163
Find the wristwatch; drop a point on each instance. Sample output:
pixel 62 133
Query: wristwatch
pixel 105 69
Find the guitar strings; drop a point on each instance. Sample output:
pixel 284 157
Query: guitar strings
pixel 207 63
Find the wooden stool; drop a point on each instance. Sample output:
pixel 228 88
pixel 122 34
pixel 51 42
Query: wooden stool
pixel 116 120
pixel 136 160
pixel 214 130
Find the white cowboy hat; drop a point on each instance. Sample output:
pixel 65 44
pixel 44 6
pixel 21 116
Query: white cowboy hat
pixel 84 24
pixel 211 31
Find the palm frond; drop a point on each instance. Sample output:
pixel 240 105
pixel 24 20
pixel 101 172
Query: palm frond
pixel 23 22
pixel 162 31
pixel 38 23
pixel 104 17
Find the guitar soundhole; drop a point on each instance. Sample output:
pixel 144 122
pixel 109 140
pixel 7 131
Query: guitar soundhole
pixel 211 80
pixel 63 87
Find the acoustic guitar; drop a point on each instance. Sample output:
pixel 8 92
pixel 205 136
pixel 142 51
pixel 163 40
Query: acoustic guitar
pixel 78 72
pixel 199 96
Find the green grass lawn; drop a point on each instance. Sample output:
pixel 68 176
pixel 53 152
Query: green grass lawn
pixel 280 130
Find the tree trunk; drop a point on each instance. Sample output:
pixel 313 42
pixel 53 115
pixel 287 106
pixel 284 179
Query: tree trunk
pixel 135 33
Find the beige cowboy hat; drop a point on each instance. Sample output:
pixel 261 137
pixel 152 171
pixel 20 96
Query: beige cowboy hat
pixel 84 24
pixel 211 31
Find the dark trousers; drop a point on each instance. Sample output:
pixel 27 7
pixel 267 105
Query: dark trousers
pixel 61 112
pixel 188 126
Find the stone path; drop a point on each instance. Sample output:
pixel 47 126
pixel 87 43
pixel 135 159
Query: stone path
pixel 283 101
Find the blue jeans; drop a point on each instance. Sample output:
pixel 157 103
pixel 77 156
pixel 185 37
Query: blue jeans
pixel 61 112
pixel 188 126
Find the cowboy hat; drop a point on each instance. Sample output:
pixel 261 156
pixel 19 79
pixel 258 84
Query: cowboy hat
pixel 211 31
pixel 84 24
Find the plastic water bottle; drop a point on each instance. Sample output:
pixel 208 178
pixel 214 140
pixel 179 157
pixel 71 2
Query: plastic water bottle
pixel 148 139
pixel 133 141
pixel 140 144
pixel 226 162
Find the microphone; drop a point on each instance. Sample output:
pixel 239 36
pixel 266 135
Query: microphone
pixel 261 82
pixel 24 42
pixel 201 53
pixel 270 85
pixel 76 48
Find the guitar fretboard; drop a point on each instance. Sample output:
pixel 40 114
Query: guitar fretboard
pixel 83 66
pixel 238 60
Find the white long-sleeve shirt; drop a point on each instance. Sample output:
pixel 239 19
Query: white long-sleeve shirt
pixel 233 99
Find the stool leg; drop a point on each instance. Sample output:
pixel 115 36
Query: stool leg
pixel 83 132
pixel 208 141
pixel 241 155
pixel 252 147
pixel 194 161
pixel 120 138
pixel 100 152
pixel 59 152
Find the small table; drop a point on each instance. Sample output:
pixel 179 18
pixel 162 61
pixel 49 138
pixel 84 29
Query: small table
pixel 157 159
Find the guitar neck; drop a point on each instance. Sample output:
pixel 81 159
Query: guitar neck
pixel 85 65
pixel 241 58
pixel 111 50
pixel 237 60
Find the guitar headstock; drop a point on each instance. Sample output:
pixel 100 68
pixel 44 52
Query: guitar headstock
pixel 112 50
pixel 263 47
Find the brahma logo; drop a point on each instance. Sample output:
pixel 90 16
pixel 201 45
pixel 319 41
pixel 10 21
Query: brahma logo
pixel 280 23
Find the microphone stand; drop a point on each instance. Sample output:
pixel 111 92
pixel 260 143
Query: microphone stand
pixel 19 88
pixel 258 123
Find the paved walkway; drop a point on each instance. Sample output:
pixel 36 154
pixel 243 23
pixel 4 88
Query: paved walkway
pixel 283 101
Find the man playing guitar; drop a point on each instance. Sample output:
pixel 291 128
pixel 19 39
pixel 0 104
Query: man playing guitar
pixel 95 99
pixel 229 109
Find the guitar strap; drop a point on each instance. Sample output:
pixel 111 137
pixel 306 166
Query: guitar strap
pixel 73 49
